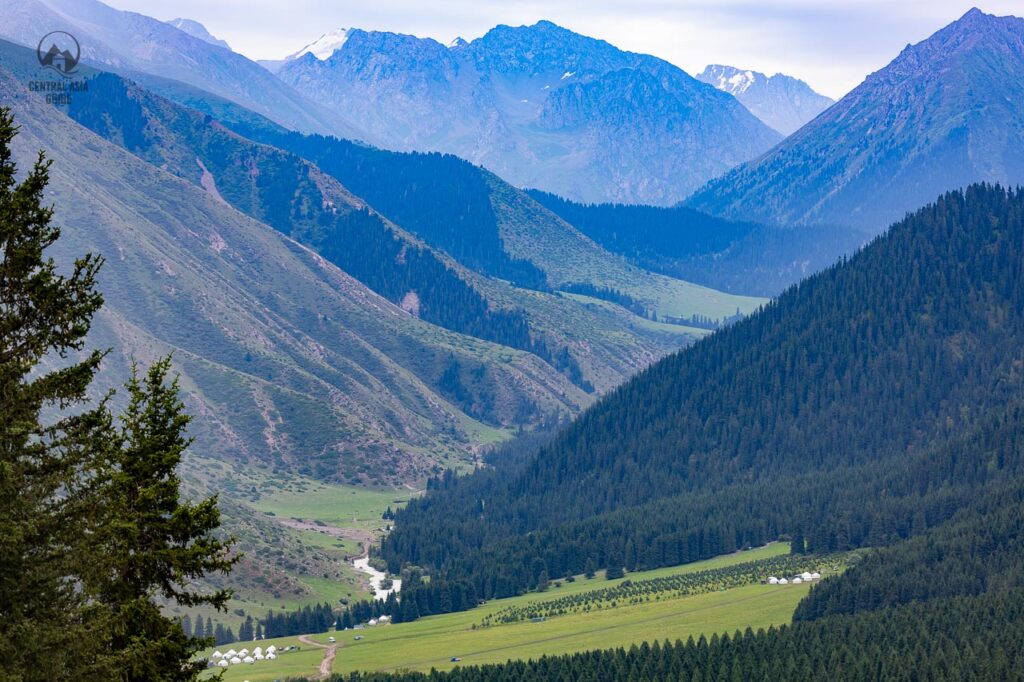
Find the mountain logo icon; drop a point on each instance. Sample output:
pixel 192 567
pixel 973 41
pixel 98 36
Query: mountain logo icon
pixel 60 51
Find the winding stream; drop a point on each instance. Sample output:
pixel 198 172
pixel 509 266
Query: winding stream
pixel 376 578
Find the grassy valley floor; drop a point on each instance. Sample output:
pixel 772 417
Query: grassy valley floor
pixel 432 642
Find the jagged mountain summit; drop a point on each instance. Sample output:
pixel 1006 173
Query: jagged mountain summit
pixel 782 102
pixel 946 112
pixel 197 30
pixel 540 105
pixel 324 46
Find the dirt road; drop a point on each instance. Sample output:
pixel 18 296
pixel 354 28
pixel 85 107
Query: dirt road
pixel 329 652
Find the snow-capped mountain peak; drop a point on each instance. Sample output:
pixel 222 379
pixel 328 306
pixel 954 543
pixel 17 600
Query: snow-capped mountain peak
pixel 783 102
pixel 324 46
pixel 738 82
pixel 458 42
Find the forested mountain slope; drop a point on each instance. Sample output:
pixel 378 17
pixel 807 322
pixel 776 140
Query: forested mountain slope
pixel 946 604
pixel 825 416
pixel 288 361
pixel 735 256
pixel 491 226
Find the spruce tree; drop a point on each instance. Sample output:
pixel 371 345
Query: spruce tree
pixel 43 461
pixel 151 544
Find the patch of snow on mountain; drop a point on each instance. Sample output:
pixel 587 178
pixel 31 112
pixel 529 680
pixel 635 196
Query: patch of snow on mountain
pixel 324 46
pixel 737 83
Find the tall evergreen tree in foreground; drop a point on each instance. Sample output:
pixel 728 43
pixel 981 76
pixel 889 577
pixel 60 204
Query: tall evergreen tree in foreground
pixel 153 545
pixel 94 532
pixel 43 467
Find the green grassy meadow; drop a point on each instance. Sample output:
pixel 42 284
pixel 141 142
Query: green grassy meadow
pixel 302 663
pixel 335 505
pixel 432 642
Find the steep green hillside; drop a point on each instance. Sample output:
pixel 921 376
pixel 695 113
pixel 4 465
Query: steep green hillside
pixel 490 226
pixel 286 359
pixel 601 348
pixel 860 408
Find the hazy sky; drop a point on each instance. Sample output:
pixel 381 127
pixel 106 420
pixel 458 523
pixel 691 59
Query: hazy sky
pixel 832 44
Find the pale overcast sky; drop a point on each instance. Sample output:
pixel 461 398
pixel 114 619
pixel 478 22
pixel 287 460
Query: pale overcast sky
pixel 832 44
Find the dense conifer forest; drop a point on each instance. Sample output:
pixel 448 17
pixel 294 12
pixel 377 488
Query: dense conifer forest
pixel 735 256
pixel 652 235
pixel 867 405
pixel 441 198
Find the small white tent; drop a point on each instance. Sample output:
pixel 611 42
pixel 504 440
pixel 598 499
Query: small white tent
pixel 216 655
pixel 259 657
pixel 248 659
pixel 783 581
pixel 271 656
pixel 235 660
pixel 773 581
pixel 806 576
pixel 257 650
pixel 230 653
pixel 797 581
pixel 243 652
pixel 816 575
pixel 271 648
pixel 223 663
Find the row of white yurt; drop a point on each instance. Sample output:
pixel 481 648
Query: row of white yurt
pixel 804 577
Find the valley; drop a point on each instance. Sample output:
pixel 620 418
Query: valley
pixel 432 643
pixel 517 357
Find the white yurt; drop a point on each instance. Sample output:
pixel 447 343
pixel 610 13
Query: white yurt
pixel 257 650
pixel 248 659
pixel 243 652
pixel 271 648
pixel 223 663
pixel 235 660
pixel 216 656
pixel 783 581
pixel 384 619
pixel 271 656
pixel 773 580
pixel 797 580
pixel 372 622
pixel 816 575
pixel 806 576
